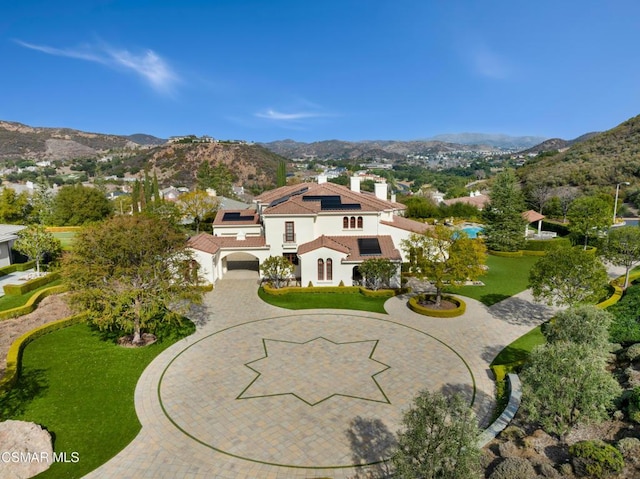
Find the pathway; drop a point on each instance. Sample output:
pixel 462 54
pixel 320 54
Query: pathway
pixel 263 392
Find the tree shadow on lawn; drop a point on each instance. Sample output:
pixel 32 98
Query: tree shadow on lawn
pixel 31 384
pixel 372 443
pixel 520 312
pixel 491 299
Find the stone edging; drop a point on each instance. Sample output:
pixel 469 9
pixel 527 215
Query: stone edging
pixel 515 395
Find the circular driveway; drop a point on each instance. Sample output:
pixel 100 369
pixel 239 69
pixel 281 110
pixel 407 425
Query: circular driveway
pixel 291 390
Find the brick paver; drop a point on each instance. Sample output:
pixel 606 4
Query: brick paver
pixel 263 392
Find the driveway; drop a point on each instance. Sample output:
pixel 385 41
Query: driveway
pixel 263 392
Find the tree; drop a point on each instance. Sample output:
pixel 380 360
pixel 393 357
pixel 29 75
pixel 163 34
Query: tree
pixel 445 257
pixel 588 216
pixel 539 193
pixel 378 272
pixel 14 208
pixel 622 248
pixel 131 273
pixel 568 276
pixel 277 269
pixel 41 205
pixel 504 224
pixel 37 243
pixel 197 205
pixel 565 195
pixel 281 173
pixel 439 439
pixel 566 383
pixel 77 205
pixel 218 177
pixel 584 324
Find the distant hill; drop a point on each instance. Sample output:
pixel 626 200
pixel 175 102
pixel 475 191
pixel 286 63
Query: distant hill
pixel 495 140
pixel 252 165
pixel 387 149
pixel 603 159
pixel 558 144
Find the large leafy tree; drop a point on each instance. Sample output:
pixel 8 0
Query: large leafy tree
pixel 378 272
pixel 37 243
pixel 567 276
pixel 218 177
pixel 585 324
pixel 439 439
pixel 589 216
pixel 14 207
pixel 445 257
pixel 197 205
pixel 277 269
pixel 504 224
pixel 78 205
pixel 566 383
pixel 622 248
pixel 131 273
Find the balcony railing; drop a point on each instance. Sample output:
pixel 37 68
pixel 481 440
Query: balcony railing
pixel 289 238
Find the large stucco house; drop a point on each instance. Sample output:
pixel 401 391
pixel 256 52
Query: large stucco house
pixel 324 229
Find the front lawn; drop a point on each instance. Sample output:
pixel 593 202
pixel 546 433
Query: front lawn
pixel 353 300
pixel 14 301
pixel 81 389
pixel 505 277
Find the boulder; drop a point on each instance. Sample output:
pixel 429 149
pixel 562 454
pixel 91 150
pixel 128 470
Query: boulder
pixel 25 449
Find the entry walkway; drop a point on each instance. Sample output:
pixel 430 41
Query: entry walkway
pixel 263 392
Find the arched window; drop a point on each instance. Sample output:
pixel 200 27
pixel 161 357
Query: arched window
pixel 345 222
pixel 360 222
pixel 320 270
pixel 329 269
pixel 353 221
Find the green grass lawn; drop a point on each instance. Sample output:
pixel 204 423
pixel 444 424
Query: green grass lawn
pixel 519 349
pixel 80 389
pixel 66 238
pixel 505 277
pixel 354 300
pixel 13 301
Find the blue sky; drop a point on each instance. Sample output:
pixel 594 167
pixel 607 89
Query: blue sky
pixel 330 69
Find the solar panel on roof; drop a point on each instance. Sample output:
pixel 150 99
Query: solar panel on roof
pixel 332 202
pixel 369 247
pixel 236 216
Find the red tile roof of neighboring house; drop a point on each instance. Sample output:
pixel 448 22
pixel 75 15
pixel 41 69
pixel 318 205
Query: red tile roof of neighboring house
pixel 349 245
pixel 296 205
pixel 211 244
pixel 479 201
pixel 407 224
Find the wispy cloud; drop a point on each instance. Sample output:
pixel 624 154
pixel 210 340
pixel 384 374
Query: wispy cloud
pixel 489 64
pixel 148 65
pixel 271 114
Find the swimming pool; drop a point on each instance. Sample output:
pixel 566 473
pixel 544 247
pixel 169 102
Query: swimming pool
pixel 472 231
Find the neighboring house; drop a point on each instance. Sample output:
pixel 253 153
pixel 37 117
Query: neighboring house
pixel 8 235
pixel 324 229
pixel 475 198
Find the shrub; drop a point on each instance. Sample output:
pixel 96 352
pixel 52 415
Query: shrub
pixel 506 254
pixel 438 313
pixel 19 289
pixel 626 326
pixel 513 468
pixel 630 449
pixel 633 352
pixel 341 284
pixel 634 405
pixel 547 470
pixel 545 245
pixel 595 458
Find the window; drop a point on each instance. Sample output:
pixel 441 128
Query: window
pixel 292 257
pixel 360 222
pixel 289 232
pixel 345 222
pixel 353 221
pixel 329 269
pixel 320 270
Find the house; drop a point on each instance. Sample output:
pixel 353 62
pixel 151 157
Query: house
pixel 475 198
pixel 326 230
pixel 8 236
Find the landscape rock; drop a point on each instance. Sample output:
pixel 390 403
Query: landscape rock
pixel 26 449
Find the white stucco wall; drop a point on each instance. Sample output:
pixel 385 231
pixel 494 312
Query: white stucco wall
pixel 234 230
pixel 309 268
pixel 208 271
pixel 331 224
pixel 398 235
pixel 274 232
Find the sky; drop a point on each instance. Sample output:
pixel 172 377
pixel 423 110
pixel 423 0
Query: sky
pixel 266 70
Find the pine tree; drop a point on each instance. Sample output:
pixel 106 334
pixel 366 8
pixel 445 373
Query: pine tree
pixel 504 224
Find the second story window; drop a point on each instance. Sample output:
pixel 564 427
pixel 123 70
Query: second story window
pixel 359 222
pixel 345 222
pixel 353 221
pixel 289 232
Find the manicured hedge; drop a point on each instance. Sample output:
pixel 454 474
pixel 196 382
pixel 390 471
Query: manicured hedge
pixel 545 245
pixel 14 355
pixel 12 268
pixel 63 229
pixel 30 305
pixel 330 289
pixel 506 254
pixel 438 313
pixel 19 289
pixel 560 228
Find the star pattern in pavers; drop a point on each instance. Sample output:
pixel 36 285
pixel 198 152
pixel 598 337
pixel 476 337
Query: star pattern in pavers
pixel 317 370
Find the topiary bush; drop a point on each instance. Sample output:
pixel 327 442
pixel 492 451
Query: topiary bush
pixel 513 468
pixel 595 458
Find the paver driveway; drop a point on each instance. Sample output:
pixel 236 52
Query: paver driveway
pixel 263 392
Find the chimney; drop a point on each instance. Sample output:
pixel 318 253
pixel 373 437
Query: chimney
pixel 393 197
pixel 355 184
pixel 381 191
pixel 322 179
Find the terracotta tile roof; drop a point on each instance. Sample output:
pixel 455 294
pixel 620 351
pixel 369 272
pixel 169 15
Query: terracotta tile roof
pixel 532 216
pixel 246 217
pixel 349 245
pixel 479 201
pixel 407 224
pixel 295 204
pixel 211 244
